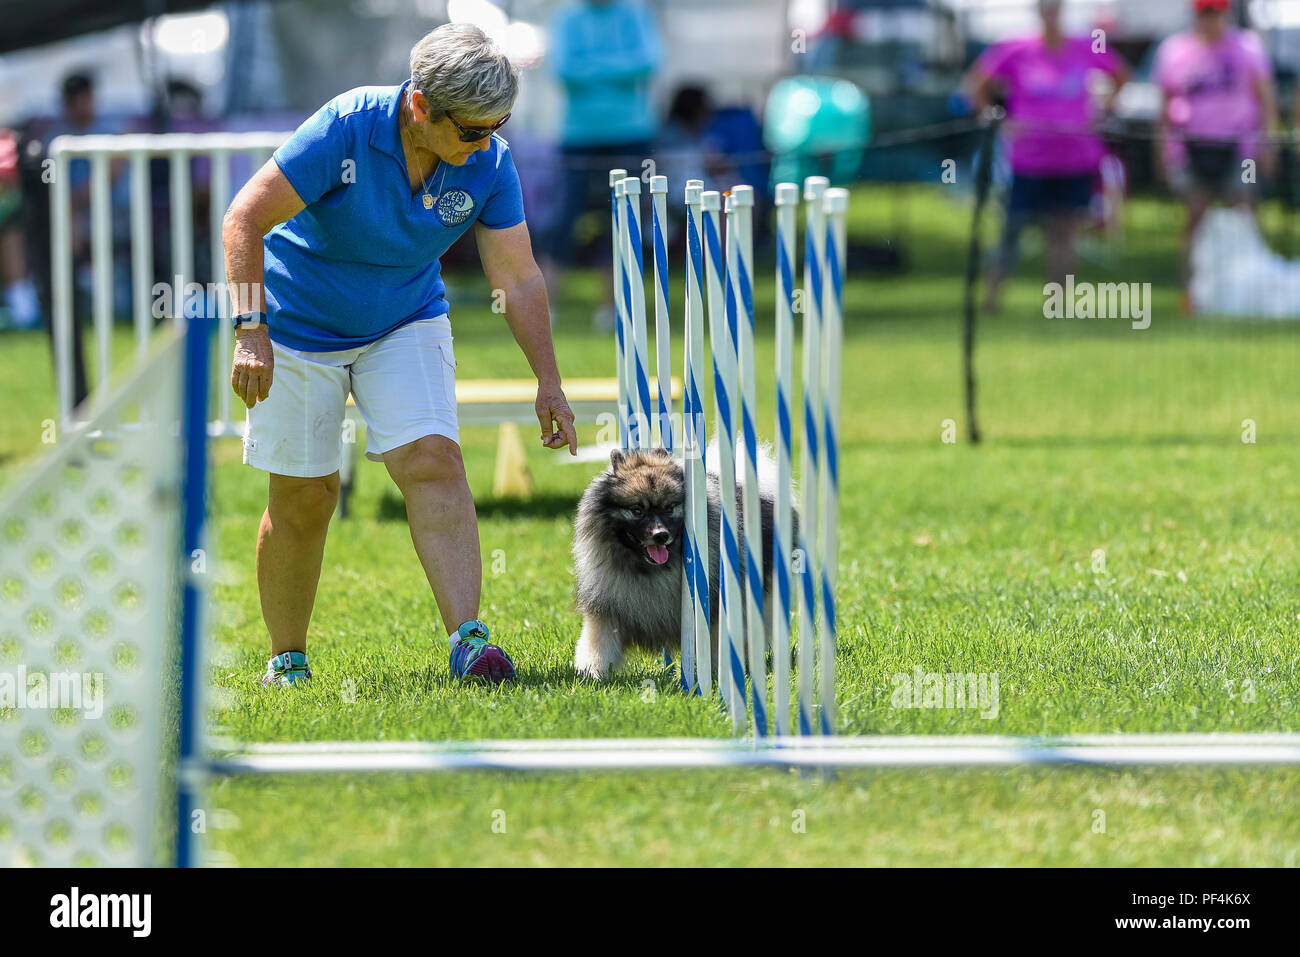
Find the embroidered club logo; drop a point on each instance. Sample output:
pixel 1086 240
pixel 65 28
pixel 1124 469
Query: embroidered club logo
pixel 454 207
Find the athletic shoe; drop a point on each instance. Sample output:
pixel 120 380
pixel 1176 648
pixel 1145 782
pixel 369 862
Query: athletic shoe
pixel 473 657
pixel 287 669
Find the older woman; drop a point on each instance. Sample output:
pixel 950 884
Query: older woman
pixel 332 254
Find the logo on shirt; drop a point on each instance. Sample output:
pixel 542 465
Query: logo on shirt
pixel 454 207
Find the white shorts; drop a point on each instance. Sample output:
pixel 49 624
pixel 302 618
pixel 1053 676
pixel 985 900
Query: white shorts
pixel 405 389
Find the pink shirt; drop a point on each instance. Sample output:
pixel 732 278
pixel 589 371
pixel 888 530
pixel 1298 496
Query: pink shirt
pixel 1210 90
pixel 1048 105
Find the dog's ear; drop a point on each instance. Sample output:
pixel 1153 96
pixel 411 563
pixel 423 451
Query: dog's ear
pixel 616 460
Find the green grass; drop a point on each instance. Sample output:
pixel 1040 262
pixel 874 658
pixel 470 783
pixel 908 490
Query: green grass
pixel 1114 552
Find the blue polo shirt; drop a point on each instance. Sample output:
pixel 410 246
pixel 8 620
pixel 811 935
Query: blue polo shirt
pixel 362 259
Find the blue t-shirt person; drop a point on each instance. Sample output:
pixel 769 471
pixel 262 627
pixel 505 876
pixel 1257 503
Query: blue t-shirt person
pixel 363 258
pixel 605 54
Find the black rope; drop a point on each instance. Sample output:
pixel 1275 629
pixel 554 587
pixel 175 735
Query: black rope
pixel 991 121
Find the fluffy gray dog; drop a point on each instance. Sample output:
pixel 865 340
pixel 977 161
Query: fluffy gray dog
pixel 627 550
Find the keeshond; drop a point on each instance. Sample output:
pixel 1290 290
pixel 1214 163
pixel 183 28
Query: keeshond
pixel 627 549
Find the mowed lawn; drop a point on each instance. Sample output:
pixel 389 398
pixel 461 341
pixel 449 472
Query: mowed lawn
pixel 1114 553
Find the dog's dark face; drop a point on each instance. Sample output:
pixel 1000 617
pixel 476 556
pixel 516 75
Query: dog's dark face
pixel 642 500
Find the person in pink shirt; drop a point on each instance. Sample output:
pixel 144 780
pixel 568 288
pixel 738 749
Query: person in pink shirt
pixel 1219 107
pixel 1051 121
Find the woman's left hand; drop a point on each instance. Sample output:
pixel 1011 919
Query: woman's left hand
pixel 553 409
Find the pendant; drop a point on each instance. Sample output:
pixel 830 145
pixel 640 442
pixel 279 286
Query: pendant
pixel 428 201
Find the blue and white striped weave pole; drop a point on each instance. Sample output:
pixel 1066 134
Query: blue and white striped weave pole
pixel 663 336
pixel 616 176
pixel 695 541
pixel 634 266
pixel 787 206
pixel 837 207
pixel 741 269
pixel 731 674
pixel 623 294
pixel 814 189
pixel 664 365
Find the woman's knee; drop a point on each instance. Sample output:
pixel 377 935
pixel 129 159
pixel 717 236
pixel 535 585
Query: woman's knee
pixel 432 459
pixel 304 504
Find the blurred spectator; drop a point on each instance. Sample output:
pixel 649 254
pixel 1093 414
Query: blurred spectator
pixel 1055 152
pixel 78 116
pixel 685 149
pixel 1219 105
pixel 182 112
pixel 605 53
pixel 19 291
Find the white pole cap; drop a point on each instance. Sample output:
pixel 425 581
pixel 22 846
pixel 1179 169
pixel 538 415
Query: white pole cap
pixel 632 186
pixel 620 188
pixel 694 192
pixel 658 184
pixel 787 194
pixel 615 175
pixel 695 182
pixel 837 201
pixel 711 200
pixel 742 196
pixel 814 187
pixel 728 202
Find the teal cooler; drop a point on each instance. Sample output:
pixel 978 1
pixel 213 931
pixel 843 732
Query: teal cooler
pixel 811 120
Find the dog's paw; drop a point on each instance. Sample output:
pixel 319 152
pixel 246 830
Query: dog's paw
pixel 587 668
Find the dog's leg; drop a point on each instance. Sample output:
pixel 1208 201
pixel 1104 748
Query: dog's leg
pixel 599 649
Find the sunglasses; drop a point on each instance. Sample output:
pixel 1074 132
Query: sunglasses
pixel 473 134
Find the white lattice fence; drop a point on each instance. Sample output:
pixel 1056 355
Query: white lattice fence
pixel 88 586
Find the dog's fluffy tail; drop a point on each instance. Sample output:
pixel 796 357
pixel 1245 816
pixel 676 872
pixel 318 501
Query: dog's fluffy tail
pixel 766 468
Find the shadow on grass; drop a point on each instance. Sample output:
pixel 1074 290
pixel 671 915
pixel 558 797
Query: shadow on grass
pixel 392 507
pixel 434 678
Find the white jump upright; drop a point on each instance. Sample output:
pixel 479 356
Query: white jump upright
pixel 837 207
pixel 219 186
pixel 814 254
pixel 142 256
pixel 780 601
pixel 101 255
pixel 731 672
pixel 182 224
pixel 616 177
pixel 695 540
pixel 634 268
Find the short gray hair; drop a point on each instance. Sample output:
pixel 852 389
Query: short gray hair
pixel 460 70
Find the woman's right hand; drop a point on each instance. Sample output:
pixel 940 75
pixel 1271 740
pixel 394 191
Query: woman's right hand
pixel 251 371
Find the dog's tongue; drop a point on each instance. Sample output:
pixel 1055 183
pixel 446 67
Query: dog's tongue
pixel 658 553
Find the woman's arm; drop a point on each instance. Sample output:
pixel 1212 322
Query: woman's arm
pixel 1270 123
pixel 265 201
pixel 507 257
pixel 1120 76
pixel 978 87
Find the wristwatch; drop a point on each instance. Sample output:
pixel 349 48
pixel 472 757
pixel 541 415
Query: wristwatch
pixel 251 318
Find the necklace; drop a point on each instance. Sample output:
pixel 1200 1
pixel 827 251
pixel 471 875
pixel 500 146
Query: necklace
pixel 429 201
